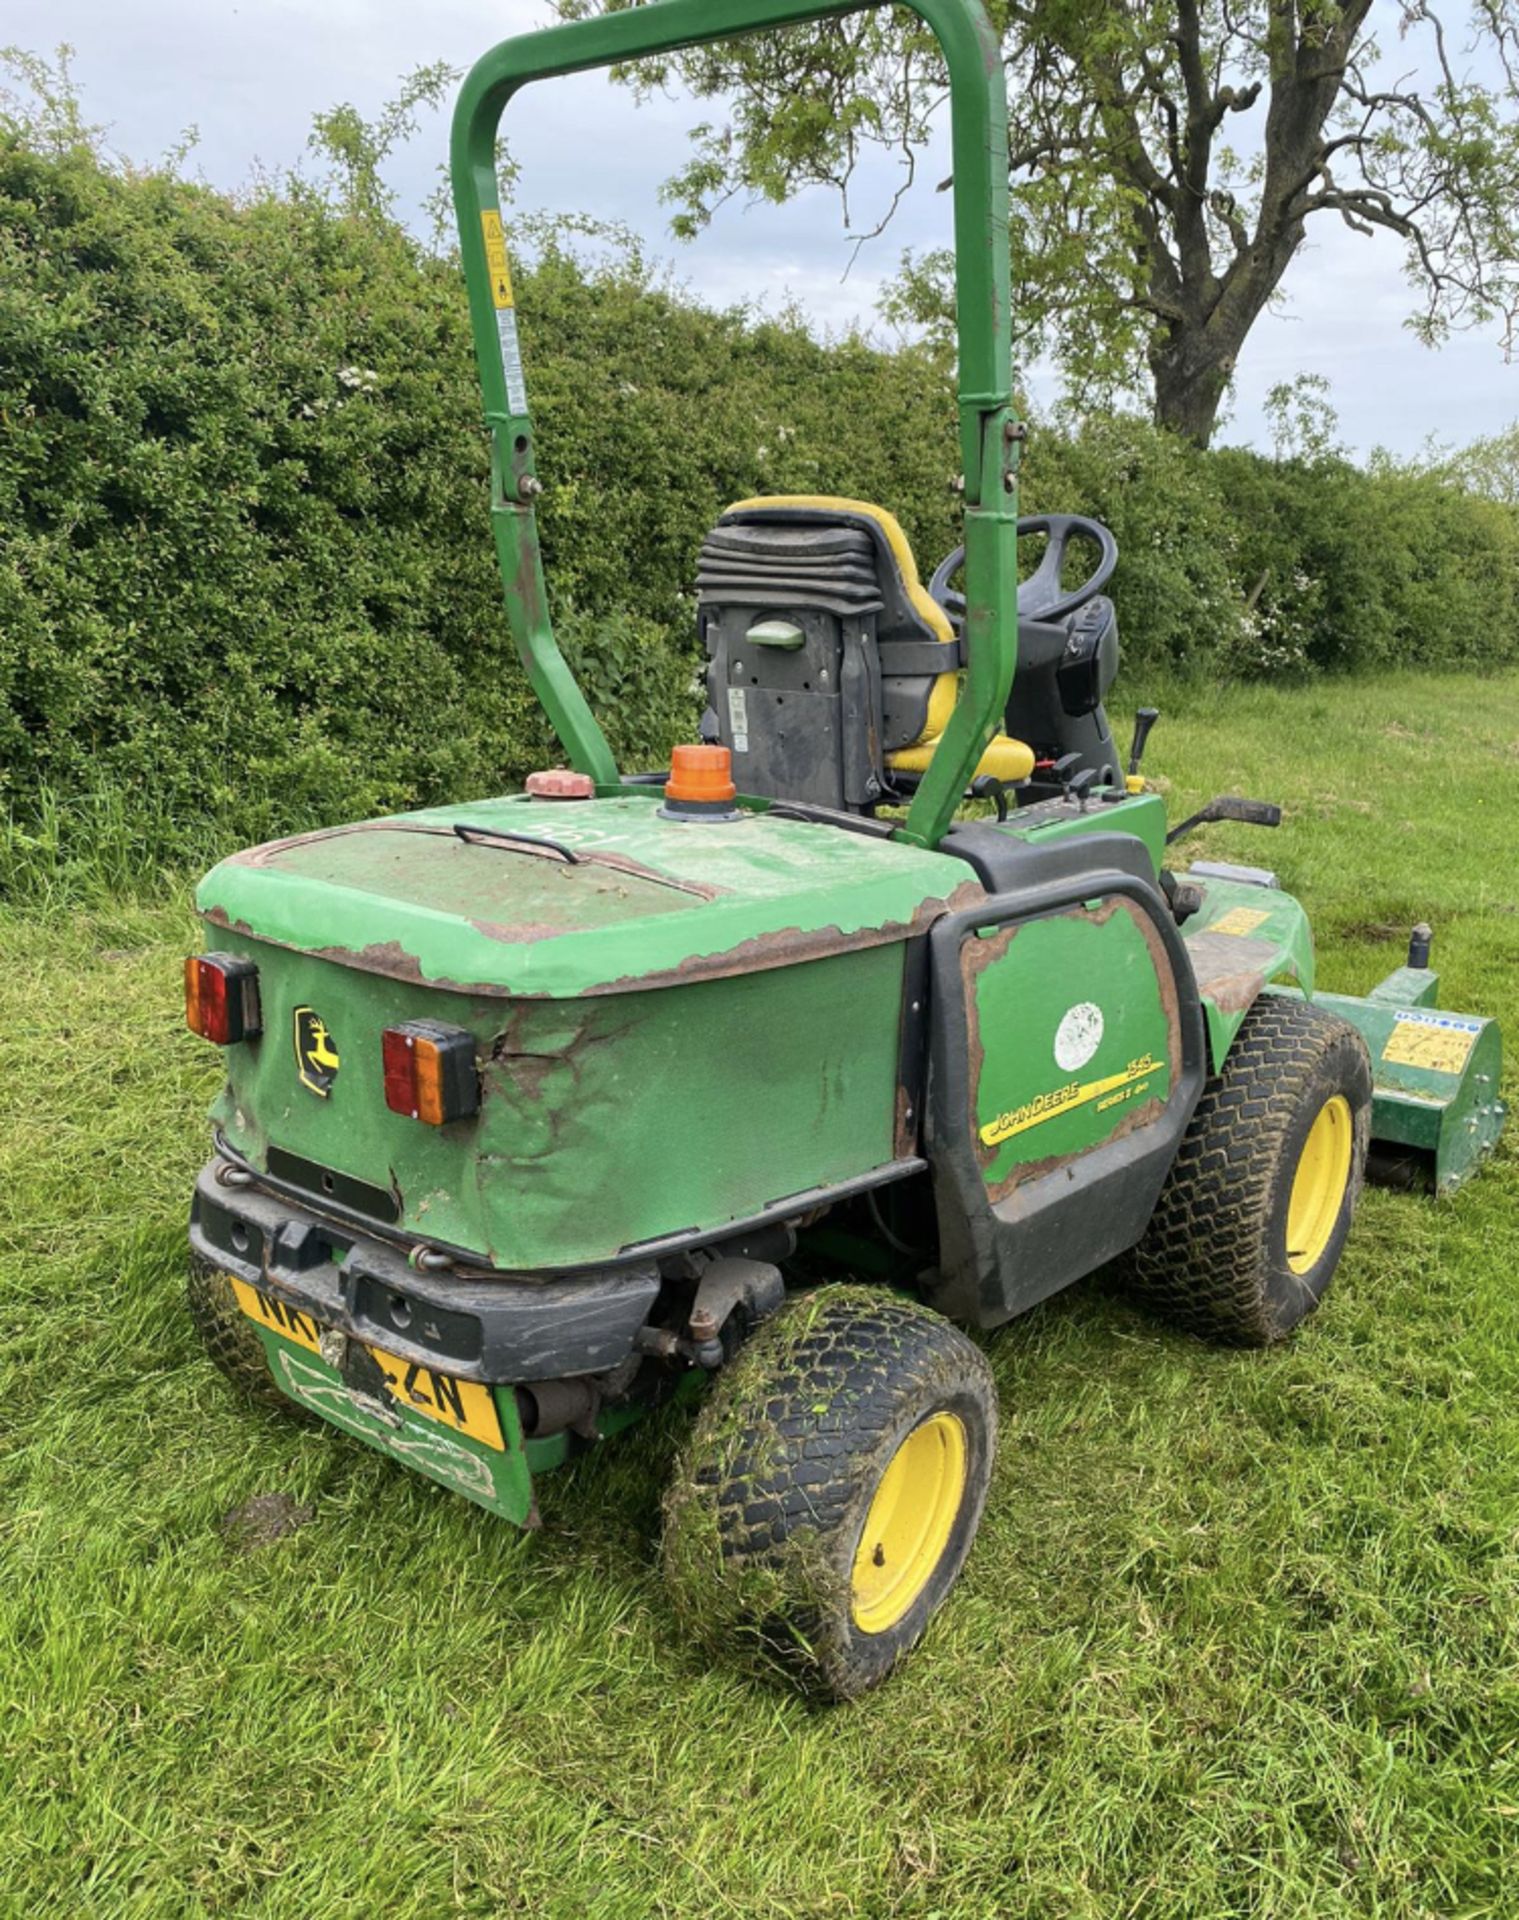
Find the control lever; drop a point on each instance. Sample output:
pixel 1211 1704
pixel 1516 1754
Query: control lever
pixel 1081 786
pixel 988 787
pixel 1143 721
pixel 1229 806
pixel 1063 768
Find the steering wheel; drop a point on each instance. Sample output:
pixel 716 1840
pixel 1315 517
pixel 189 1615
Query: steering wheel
pixel 1040 596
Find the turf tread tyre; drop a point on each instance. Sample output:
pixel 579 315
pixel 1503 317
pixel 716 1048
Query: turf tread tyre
pixel 1213 1259
pixel 232 1341
pixel 767 1506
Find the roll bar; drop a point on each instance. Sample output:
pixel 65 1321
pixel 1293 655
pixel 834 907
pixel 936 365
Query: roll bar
pixel 989 434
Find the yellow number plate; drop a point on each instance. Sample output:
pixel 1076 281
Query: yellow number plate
pixel 464 1405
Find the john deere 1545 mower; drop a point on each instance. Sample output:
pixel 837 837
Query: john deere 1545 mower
pixel 541 1110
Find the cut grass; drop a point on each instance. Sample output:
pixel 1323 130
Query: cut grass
pixel 1238 1637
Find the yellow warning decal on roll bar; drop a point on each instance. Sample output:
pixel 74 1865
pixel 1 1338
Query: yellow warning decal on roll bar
pixel 495 258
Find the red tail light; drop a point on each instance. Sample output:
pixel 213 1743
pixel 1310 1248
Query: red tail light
pixel 221 998
pixel 430 1071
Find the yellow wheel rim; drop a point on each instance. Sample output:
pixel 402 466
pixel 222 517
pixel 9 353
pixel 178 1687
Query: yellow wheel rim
pixel 909 1523
pixel 1318 1186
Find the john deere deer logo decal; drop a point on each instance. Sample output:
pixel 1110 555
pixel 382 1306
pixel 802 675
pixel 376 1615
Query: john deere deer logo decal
pixel 316 1058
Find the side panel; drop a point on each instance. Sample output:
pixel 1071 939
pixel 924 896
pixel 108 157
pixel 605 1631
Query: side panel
pixel 604 1122
pixel 1071 1040
pixel 1067 1053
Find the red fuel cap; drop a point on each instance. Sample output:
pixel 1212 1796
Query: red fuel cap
pixel 561 783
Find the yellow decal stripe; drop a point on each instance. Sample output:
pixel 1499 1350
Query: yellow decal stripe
pixel 1239 920
pixel 1046 1106
pixel 495 258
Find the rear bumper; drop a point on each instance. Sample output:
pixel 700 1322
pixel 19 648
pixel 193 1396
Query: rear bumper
pixel 498 1330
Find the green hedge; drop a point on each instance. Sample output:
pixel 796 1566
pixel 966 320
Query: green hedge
pixel 246 580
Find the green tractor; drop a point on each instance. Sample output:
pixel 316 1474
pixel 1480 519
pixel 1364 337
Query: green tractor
pixel 543 1110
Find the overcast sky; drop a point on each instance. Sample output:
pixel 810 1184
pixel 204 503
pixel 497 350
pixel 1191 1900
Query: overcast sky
pixel 249 74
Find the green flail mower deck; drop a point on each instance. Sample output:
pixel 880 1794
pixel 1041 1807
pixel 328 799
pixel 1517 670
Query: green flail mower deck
pixel 1435 1107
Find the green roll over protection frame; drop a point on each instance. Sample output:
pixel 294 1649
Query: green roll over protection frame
pixel 990 437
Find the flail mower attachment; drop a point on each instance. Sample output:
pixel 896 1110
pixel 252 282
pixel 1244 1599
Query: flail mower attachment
pixel 1435 1106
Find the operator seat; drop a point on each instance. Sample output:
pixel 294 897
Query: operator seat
pixel 829 667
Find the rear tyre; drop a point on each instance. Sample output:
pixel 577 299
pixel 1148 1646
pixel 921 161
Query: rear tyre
pixel 232 1341
pixel 832 1486
pixel 1253 1217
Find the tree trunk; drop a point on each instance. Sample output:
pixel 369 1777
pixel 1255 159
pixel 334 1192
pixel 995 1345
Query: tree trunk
pixel 1191 376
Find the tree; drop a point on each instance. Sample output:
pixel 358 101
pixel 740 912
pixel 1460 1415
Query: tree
pixel 1167 158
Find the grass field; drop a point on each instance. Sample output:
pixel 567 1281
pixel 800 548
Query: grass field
pixel 1238 1638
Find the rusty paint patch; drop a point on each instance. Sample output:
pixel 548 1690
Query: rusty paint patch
pixel 1022 1176
pixel 785 947
pixel 1230 971
pixel 905 1132
pixel 781 947
pixel 523 934
pixel 789 946
pixel 524 588
pixel 388 957
pixel 272 850
pixel 219 917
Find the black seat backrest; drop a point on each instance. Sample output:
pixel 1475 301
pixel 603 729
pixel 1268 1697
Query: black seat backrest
pixel 821 658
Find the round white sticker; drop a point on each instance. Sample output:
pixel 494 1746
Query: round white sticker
pixel 1078 1036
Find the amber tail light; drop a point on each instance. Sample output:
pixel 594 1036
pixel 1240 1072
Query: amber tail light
pixel 221 998
pixel 430 1071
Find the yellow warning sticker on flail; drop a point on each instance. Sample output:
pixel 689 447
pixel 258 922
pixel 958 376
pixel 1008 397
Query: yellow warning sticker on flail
pixel 1045 1106
pixel 1437 1042
pixel 495 258
pixel 1239 920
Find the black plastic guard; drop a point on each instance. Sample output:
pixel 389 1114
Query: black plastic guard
pixel 495 1330
pixel 997 1260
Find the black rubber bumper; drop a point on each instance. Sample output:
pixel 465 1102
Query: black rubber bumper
pixel 501 1331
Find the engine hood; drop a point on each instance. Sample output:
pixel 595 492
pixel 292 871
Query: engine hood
pixel 525 897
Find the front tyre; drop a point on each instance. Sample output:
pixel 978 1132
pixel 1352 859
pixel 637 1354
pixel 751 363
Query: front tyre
pixel 832 1486
pixel 1254 1214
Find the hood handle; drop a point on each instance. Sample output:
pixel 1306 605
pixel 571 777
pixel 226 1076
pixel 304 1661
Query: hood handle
pixel 501 837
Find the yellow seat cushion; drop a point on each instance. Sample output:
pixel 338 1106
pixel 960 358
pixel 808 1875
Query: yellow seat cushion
pixel 1005 759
